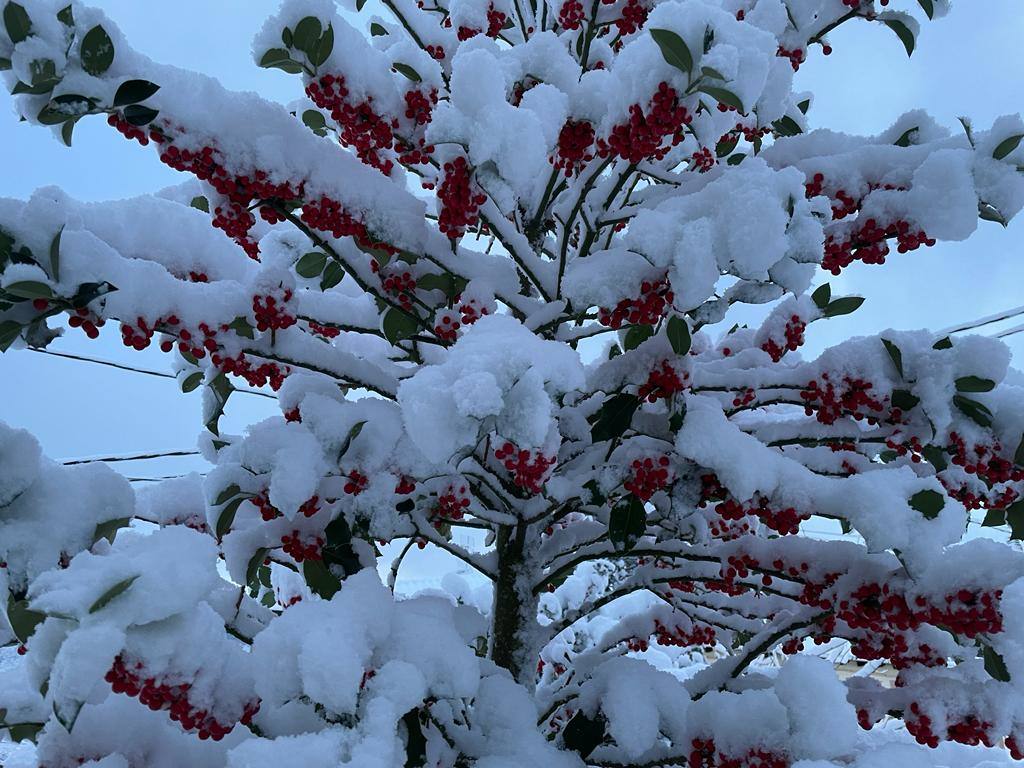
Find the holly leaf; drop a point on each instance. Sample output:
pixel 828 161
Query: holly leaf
pixel 9 331
pixel 29 289
pixel 1015 519
pixel 227 494
pixel 352 435
pixel 221 389
pixel 227 517
pixel 679 335
pixel 787 126
pixel 398 324
pixel 319 579
pixel 583 734
pixel 822 295
pixel 279 58
pixel 928 6
pixel 200 203
pixel 895 355
pixel 192 382
pixel 324 47
pixel 312 264
pixel 253 568
pixel 55 255
pixel 138 115
pixel 23 620
pixel 673 49
pixel 636 336
pixel 241 327
pixel 994 518
pixel 627 523
pixel 935 456
pixel 614 417
pixel 943 343
pixel 23 731
pixel 97 51
pixel 134 91
pixel 306 36
pixel 408 71
pixel 928 502
pixel 108 530
pixel 842 306
pixel 974 384
pixel 1006 146
pixel 973 410
pixel 376 30
pixel 904 399
pixel 905 138
pixel 17 22
pixel 118 589
pixel 727 145
pixel 332 276
pixel 994 664
pixel 723 95
pixel 902 32
pixel 315 121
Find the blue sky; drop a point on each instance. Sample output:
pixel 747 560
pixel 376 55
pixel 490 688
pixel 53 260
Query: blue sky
pixel 969 63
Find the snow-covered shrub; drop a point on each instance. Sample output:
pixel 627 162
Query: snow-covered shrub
pixel 486 263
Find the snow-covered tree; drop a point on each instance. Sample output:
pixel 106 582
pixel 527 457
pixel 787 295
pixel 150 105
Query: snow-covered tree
pixel 486 264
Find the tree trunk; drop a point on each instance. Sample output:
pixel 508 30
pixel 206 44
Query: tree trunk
pixel 515 607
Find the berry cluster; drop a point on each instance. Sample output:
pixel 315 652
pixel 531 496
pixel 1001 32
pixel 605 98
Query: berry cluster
pixel 271 314
pixel 647 309
pixel 641 137
pixel 662 383
pixel 127 678
pixel 357 482
pixel 648 477
pixel 327 331
pixel 703 160
pixel 575 142
pixel 495 23
pixel 267 510
pixel 529 470
pixel 401 285
pixel 361 127
pixel 854 398
pixel 256 376
pixel 459 199
pixel 676 636
pixel 87 321
pixel 868 244
pixel 795 328
pixel 784 521
pixel 452 504
pixel 294 545
pixel 634 16
pixel 571 15
pixel 970 730
pixel 796 56
pixel 705 755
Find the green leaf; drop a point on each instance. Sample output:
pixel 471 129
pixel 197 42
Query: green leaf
pixel 108 530
pixel 9 331
pixel 787 126
pixel 376 30
pixel 822 295
pixel 674 49
pixel 843 306
pixel 67 130
pixel 736 159
pixel 727 145
pixel 974 384
pixel 928 6
pixel 627 523
pixel 988 212
pixel 199 202
pixel 23 620
pixel 935 456
pixel 904 400
pixel 895 355
pixel 315 121
pixel 359 5
pixel 134 91
pixel 804 105
pixel 23 731
pixel 97 51
pixel 221 389
pixel 905 137
pixel 903 33
pixel 679 335
pixel 320 580
pixel 5 64
pixel 1018 456
pixel 583 734
pixel 323 49
pixel 17 22
pixel 928 502
pixel 286 37
pixel 255 563
pixel 943 343
pixel 66 16
pixel 192 382
pixel 241 327
pixel 973 410
pixel 398 325
pixel 723 95
pixel 712 72
pixel 332 276
pixel 227 516
pixel 1006 146
pixel 104 600
pixel 306 35
pixel 227 494
pixel 1015 519
pixel 352 435
pixel 50 115
pixel 636 336
pixel 279 58
pixel 408 71
pixel 55 255
pixel 312 264
pixel 994 664
pixel 28 289
pixel 614 417
pixel 994 518
pixel 138 115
